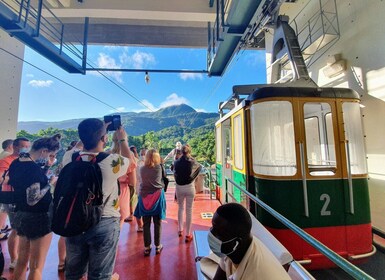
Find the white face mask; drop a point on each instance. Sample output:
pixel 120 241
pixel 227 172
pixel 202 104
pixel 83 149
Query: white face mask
pixel 23 150
pixel 216 245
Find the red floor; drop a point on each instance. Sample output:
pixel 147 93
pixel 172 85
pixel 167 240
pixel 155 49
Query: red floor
pixel 175 262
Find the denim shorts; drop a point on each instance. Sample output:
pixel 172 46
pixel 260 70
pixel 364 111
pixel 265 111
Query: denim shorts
pixel 32 225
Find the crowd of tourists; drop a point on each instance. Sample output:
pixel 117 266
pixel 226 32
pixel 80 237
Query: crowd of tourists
pixel 34 198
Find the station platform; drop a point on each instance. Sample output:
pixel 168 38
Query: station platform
pixel 176 260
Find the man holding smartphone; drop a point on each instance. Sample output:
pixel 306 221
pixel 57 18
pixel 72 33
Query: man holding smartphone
pixel 94 251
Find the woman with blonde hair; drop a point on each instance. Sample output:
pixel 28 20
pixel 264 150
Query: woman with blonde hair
pixel 151 200
pixel 127 182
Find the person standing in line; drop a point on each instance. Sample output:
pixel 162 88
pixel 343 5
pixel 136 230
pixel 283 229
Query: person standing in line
pixel 33 200
pixel 186 169
pixel 140 163
pixel 94 252
pixel 151 201
pixel 124 182
pixel 75 146
pixel 20 145
pixel 132 181
pixel 172 154
pixel 7 147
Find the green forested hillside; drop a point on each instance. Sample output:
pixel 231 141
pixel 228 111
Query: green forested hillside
pixel 160 130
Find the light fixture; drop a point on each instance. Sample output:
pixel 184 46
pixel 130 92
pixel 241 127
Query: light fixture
pixel 147 78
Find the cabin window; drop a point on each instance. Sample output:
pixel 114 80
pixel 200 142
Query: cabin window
pixel 227 139
pixel 320 148
pixel 218 132
pixel 238 144
pixel 272 133
pixel 355 136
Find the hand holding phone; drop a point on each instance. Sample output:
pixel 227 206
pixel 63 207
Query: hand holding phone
pixel 114 120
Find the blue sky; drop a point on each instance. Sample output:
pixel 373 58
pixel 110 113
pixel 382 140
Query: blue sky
pixel 44 98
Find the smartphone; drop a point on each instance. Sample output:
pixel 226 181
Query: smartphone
pixel 114 120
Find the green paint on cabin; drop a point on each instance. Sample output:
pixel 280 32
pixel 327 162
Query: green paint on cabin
pixel 219 174
pixel 328 202
pixel 240 179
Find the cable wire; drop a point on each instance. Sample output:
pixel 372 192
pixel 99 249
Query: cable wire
pixel 61 80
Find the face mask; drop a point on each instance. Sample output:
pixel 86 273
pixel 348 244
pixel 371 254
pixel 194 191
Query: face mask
pixel 41 161
pixel 216 245
pixel 23 150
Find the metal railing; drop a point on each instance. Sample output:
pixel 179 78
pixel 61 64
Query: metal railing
pixel 349 268
pixel 38 16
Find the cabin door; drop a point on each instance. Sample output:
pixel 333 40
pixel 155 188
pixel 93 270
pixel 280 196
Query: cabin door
pixel 227 160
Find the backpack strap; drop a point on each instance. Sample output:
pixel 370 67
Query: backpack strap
pixel 101 156
pixel 75 156
pixel 98 158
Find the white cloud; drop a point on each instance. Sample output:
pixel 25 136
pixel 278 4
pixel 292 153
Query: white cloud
pixel 191 76
pixel 172 99
pixel 106 61
pixel 138 60
pixel 29 75
pixel 40 83
pixel 118 110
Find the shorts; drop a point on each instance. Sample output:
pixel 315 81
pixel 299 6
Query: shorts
pixel 11 216
pixel 32 225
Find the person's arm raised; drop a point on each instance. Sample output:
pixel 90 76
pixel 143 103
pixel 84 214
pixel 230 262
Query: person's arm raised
pixel 123 142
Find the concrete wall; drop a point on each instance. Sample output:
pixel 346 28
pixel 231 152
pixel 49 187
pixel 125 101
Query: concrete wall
pixel 361 44
pixel 10 80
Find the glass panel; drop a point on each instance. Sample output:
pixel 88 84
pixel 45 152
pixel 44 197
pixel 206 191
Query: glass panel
pixel 227 143
pixel 320 148
pixel 313 144
pixel 355 136
pixel 218 132
pixel 273 145
pixel 238 144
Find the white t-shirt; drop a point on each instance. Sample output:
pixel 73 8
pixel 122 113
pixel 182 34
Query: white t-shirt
pixel 112 167
pixel 258 263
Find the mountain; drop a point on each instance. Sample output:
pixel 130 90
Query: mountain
pixel 139 123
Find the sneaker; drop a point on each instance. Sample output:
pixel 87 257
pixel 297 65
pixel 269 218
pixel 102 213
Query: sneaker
pixel 188 238
pixel 12 265
pixel 140 229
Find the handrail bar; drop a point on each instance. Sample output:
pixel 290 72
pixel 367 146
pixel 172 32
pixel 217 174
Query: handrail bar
pixel 338 260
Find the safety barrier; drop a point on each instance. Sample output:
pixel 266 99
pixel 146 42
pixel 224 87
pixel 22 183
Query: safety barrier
pixel 349 268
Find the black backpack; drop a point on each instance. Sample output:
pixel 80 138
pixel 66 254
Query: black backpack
pixel 78 196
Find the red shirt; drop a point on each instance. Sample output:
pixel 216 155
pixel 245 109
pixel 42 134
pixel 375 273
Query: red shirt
pixel 4 165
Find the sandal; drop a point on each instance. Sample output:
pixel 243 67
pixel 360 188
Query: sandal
pixel 147 251
pixel 188 238
pixel 140 229
pixel 5 229
pixel 61 267
pixel 3 236
pixel 158 249
pixel 180 233
pixel 129 219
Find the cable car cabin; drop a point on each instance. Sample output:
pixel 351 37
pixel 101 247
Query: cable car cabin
pixel 301 151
